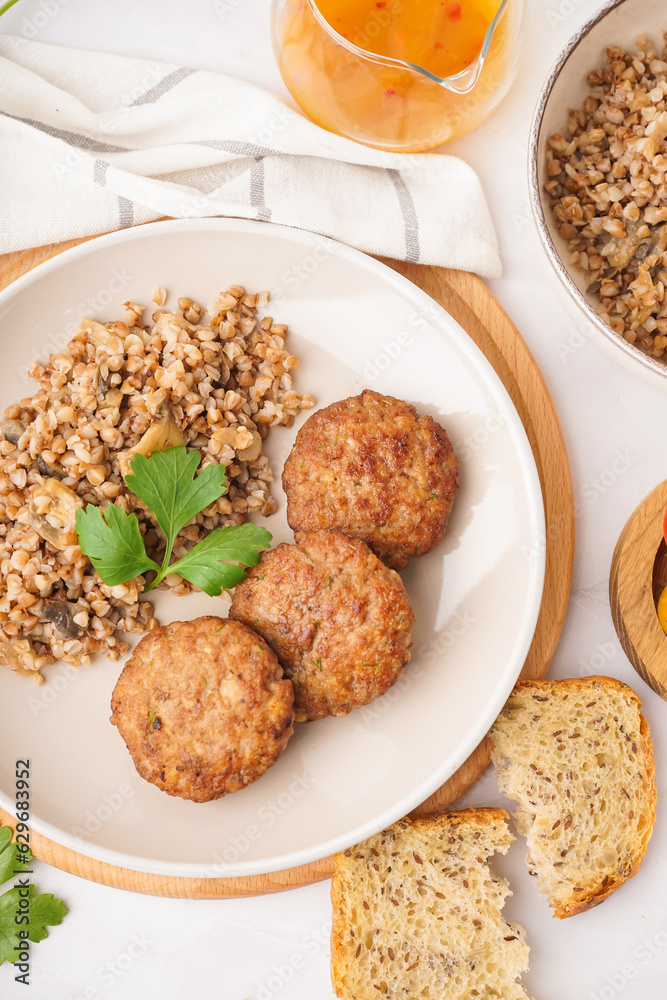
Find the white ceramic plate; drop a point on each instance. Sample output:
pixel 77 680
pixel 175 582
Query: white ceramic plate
pixel 354 323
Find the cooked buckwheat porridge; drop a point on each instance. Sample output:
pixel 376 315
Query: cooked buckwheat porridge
pixel 215 380
pixel 607 182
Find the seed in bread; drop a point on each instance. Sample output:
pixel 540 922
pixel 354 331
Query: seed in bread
pixel 203 707
pixel 372 467
pixel 418 913
pixel 577 756
pixel 339 620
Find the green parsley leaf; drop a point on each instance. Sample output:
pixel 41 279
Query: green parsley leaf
pixel 317 663
pixel 220 560
pixel 113 543
pixel 11 859
pixel 166 483
pixel 44 911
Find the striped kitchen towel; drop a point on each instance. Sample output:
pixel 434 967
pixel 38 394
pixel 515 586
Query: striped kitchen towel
pixel 92 142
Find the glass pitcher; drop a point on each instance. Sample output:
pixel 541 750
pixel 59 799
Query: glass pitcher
pixel 385 102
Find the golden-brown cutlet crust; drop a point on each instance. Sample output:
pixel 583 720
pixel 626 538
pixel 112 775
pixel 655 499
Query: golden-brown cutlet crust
pixel 203 707
pixel 339 620
pixel 371 467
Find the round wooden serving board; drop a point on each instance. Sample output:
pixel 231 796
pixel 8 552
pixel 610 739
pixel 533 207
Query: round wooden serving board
pixel 473 306
pixel 637 577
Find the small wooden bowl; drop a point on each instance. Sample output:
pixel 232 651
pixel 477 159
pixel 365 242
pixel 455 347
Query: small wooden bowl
pixel 637 578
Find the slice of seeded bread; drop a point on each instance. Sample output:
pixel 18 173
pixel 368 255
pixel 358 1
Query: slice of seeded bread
pixel 577 757
pixel 417 913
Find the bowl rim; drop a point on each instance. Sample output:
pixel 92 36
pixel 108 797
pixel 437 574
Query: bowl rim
pixel 652 366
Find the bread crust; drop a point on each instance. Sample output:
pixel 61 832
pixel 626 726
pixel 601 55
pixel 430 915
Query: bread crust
pixel 580 902
pixel 345 863
pixel 588 900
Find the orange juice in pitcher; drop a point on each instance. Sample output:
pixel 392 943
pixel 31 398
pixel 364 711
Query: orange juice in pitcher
pixel 402 75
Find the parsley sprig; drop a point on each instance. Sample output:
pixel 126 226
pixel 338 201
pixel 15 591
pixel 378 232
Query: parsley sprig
pixel 44 910
pixel 168 485
pixel 6 6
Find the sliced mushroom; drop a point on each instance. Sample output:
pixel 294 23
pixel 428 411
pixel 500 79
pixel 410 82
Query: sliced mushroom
pixel 61 614
pixel 103 383
pixel 46 469
pixel 163 433
pixel 52 512
pixel 12 430
pixel 631 249
pixel 225 372
pixel 253 451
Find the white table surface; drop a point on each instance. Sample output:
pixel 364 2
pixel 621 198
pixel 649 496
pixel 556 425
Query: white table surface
pixel 119 945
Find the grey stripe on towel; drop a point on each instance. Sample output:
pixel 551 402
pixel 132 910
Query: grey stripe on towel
pixel 125 212
pixel 72 138
pixel 100 168
pixel 410 222
pixel 125 206
pixel 165 84
pixel 257 194
pixel 235 146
